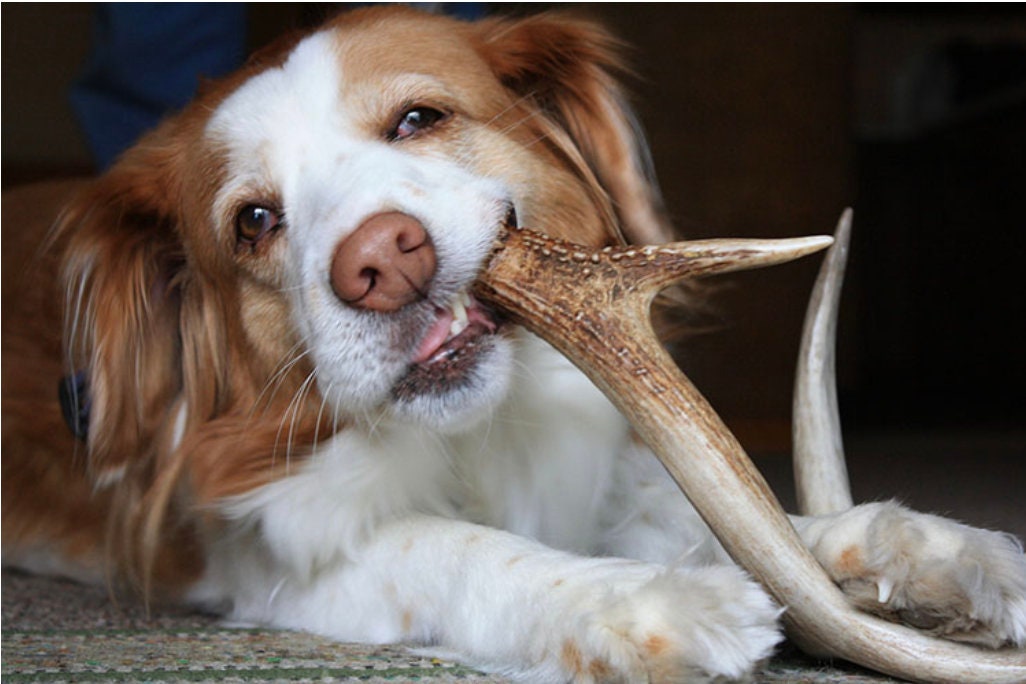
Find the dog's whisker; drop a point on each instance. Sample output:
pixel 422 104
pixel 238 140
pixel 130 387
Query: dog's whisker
pixel 373 418
pixel 289 361
pixel 527 97
pixel 290 417
pixel 325 394
pixel 509 128
pixel 299 401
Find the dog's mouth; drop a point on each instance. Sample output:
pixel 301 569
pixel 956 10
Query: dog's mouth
pixel 450 349
pixel 462 333
pixel 456 324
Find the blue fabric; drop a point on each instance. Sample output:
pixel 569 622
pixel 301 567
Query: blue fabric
pixel 147 60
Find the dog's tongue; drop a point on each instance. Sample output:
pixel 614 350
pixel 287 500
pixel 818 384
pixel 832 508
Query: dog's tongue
pixel 475 321
pixel 436 336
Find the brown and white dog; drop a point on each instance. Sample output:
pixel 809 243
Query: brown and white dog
pixel 292 411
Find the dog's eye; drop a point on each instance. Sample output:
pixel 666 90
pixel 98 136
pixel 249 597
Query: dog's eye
pixel 255 222
pixel 415 120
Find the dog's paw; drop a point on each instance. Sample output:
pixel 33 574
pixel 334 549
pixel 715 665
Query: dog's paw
pixel 934 574
pixel 686 625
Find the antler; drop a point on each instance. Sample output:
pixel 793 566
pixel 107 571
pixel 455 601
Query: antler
pixel 594 308
pixel 821 476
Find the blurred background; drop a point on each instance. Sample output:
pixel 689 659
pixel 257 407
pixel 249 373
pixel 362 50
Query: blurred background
pixel 766 121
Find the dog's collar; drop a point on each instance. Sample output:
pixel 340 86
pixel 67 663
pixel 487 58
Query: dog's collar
pixel 73 392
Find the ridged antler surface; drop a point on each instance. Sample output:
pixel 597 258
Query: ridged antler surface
pixel 594 307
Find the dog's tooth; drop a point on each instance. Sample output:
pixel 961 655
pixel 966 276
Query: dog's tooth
pixel 459 314
pixel 459 307
pixel 457 327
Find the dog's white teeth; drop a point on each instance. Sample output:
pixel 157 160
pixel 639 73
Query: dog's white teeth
pixel 457 327
pixel 460 320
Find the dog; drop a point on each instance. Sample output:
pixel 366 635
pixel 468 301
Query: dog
pixel 281 401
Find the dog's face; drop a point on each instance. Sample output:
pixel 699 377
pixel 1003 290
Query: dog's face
pixel 311 227
pixel 340 179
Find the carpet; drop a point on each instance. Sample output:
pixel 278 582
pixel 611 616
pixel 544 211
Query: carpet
pixel 58 631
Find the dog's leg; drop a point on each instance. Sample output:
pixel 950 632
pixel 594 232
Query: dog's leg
pixel 505 603
pixel 932 573
pixel 647 518
pixel 945 578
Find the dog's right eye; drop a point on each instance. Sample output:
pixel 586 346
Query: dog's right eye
pixel 254 223
pixel 414 121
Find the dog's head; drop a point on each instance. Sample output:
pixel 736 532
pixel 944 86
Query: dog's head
pixel 300 241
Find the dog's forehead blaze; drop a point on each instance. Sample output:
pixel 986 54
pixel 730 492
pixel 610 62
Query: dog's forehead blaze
pixel 305 85
pixel 338 81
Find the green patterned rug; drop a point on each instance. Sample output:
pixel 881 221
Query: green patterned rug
pixel 56 631
pixel 216 654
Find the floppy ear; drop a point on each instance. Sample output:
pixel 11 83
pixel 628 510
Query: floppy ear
pixel 566 66
pixel 121 269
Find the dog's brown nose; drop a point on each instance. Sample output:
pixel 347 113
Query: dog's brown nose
pixel 385 264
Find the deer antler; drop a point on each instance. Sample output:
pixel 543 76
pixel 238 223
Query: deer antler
pixel 594 308
pixel 821 476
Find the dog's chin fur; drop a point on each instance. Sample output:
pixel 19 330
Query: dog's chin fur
pixel 463 401
pixel 257 444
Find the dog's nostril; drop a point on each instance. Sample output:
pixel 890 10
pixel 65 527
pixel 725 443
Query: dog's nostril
pixel 410 240
pixel 385 264
pixel 369 275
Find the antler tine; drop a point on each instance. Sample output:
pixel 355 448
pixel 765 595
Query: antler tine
pixel 821 476
pixel 653 268
pixel 595 310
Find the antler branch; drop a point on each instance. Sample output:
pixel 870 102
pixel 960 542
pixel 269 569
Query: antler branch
pixel 594 308
pixel 821 476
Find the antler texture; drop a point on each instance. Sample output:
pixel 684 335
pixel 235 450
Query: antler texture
pixel 594 308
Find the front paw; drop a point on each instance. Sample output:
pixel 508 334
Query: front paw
pixel 687 625
pixel 937 575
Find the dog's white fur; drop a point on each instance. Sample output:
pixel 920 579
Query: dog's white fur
pixel 493 521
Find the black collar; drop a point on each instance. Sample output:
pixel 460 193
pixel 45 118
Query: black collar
pixel 73 392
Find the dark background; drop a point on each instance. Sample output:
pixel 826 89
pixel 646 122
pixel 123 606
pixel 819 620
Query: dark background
pixel 766 121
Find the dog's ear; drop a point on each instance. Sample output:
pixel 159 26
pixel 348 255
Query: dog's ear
pixel 121 268
pixel 568 66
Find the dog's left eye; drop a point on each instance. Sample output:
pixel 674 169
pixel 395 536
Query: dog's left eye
pixel 415 120
pixel 255 222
